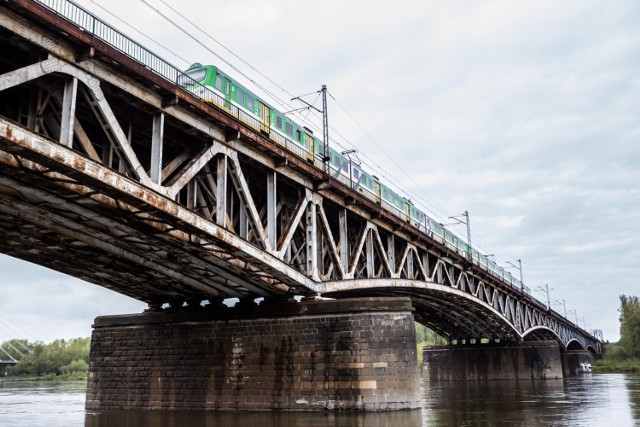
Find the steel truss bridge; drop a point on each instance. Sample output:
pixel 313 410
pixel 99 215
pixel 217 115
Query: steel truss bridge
pixel 111 173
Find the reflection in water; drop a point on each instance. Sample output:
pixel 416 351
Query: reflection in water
pixel 494 403
pixel 633 388
pixel 253 419
pixel 590 400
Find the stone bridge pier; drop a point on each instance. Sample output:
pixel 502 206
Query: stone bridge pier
pixel 527 360
pixel 352 354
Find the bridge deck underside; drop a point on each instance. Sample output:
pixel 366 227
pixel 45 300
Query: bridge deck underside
pixel 121 247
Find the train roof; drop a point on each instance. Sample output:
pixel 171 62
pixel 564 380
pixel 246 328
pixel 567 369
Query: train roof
pixel 222 73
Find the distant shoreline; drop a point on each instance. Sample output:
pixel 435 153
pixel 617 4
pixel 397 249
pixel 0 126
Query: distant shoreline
pixel 64 378
pixel 608 366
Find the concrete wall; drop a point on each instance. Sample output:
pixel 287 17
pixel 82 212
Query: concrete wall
pixel 357 354
pixel 527 360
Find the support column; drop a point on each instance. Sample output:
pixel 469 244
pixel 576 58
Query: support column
pixel 271 209
pixel 68 112
pixel 369 254
pixel 391 253
pixel 312 240
pixel 244 224
pixel 221 192
pixel 156 148
pixel 344 239
pixel 352 354
pixel 480 362
pixel 410 274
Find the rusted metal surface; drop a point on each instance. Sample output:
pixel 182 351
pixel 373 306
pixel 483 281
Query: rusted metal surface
pixel 198 206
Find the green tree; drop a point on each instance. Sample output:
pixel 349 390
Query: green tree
pixel 427 336
pixel 75 367
pixel 61 357
pixel 630 325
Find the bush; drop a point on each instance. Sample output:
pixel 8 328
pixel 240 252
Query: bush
pixel 74 367
pixel 61 357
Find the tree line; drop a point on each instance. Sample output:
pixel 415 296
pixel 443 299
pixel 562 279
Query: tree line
pixel 65 358
pixel 624 355
pixel 629 344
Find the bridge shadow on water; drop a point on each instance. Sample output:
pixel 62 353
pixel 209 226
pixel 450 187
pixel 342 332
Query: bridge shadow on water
pixel 252 419
pixel 576 401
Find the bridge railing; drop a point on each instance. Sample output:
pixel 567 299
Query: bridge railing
pixel 89 23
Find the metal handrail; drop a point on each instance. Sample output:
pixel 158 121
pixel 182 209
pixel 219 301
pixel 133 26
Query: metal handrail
pixel 91 24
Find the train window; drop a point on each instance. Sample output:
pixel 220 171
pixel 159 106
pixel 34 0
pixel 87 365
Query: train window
pixel 279 122
pixel 197 75
pixel 249 102
pixel 240 97
pixel 219 83
pixel 298 135
pixel 289 129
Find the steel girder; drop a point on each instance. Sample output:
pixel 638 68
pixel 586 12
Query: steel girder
pixel 102 179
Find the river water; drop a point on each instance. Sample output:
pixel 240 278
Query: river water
pixel 608 400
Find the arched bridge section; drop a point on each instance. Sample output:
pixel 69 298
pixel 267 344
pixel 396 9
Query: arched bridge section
pixel 111 173
pixel 473 310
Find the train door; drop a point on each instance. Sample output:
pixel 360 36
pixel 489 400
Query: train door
pixel 376 188
pixel 355 177
pixel 227 93
pixel 265 119
pixel 310 147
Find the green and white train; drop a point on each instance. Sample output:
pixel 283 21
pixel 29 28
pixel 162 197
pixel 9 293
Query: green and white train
pixel 213 86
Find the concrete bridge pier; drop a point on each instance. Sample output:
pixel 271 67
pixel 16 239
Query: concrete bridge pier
pixel 527 360
pixel 573 359
pixel 355 354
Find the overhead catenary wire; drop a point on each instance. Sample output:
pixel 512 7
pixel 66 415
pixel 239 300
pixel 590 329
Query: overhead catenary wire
pixel 225 48
pixel 146 36
pixel 208 49
pixel 431 207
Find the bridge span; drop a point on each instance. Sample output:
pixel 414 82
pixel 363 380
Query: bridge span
pixel 112 173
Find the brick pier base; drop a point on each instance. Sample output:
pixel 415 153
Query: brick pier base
pixel 356 354
pixel 523 361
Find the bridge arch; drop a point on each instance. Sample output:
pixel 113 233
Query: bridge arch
pixel 592 349
pixel 542 333
pixel 575 344
pixel 450 312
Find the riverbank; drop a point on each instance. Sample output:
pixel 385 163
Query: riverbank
pixel 76 376
pixel 616 366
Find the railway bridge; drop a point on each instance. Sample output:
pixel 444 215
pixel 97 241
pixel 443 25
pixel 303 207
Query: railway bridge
pixel 111 173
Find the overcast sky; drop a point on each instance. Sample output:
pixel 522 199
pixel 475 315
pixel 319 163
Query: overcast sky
pixel 526 114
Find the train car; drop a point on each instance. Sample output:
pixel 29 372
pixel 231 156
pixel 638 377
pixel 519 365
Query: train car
pixel 416 216
pixel 212 85
pixel 218 88
pixel 365 183
pixel 395 201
